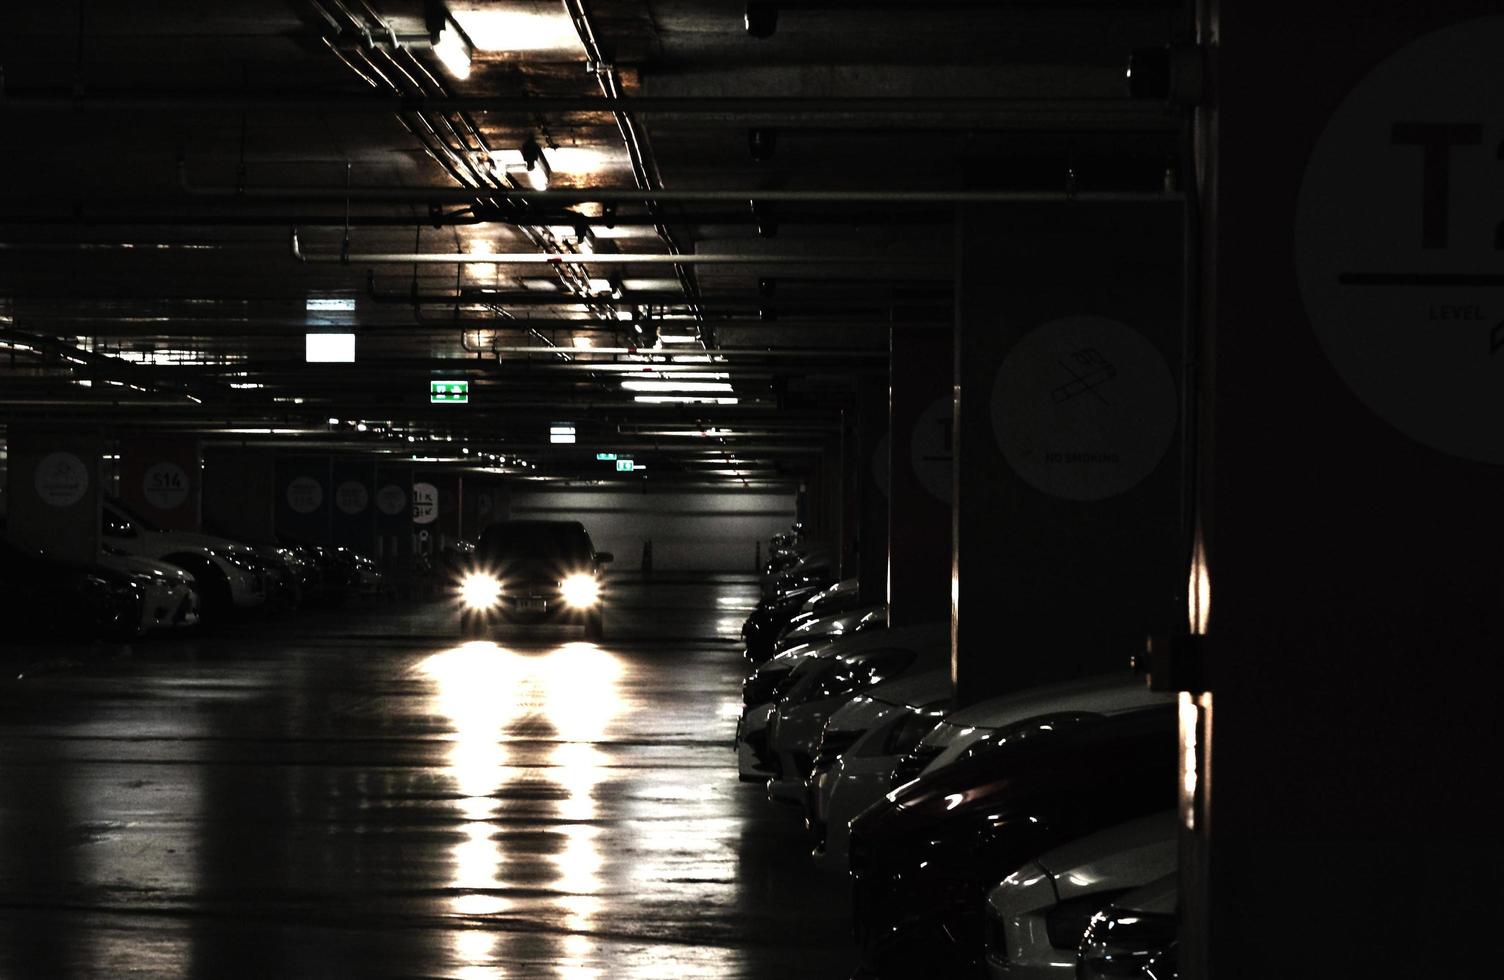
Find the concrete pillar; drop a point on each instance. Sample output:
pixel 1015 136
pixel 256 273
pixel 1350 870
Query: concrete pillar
pixel 239 494
pixel 1068 542
pixel 162 480
pixel 353 517
pixel 483 501
pixel 305 499
pixel 870 476
pixel 1352 468
pixel 53 491
pixel 920 474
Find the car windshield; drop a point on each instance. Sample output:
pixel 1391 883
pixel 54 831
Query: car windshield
pixel 524 540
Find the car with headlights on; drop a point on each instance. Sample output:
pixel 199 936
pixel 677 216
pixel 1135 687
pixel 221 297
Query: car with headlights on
pixel 1037 916
pixel 924 858
pixel 229 574
pixel 534 572
pixel 1136 936
pixel 861 743
pixel 169 594
pixel 822 684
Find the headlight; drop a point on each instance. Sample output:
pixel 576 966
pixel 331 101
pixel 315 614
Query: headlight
pixel 480 591
pixel 581 590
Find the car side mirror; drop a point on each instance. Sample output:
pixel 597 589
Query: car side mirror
pixel 603 557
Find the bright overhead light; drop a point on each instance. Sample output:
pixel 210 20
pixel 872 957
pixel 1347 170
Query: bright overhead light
pixel 561 433
pixel 671 338
pixel 329 347
pixel 453 50
pixel 563 159
pixel 677 387
pixel 583 343
pixel 684 400
pixel 519 27
pixel 330 304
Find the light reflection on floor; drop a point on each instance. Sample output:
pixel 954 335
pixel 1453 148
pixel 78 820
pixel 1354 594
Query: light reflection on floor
pixel 489 693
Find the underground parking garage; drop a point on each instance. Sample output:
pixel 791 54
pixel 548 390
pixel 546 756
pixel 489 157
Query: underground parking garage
pixel 823 489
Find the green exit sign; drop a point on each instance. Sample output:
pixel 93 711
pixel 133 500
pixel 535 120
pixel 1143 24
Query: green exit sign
pixel 441 392
pixel 625 465
pixel 605 457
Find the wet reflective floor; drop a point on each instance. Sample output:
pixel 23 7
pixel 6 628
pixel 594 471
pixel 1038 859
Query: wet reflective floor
pixel 359 794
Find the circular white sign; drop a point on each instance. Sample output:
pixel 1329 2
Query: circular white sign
pixel 391 500
pixel 425 503
pixel 1084 408
pixel 304 495
pixel 1398 243
pixel 931 450
pixel 352 497
pixel 61 479
pixel 165 486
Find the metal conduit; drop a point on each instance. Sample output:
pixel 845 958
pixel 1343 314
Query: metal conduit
pixel 60 101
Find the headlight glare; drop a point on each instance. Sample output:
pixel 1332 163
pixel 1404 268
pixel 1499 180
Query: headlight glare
pixel 581 590
pixel 480 591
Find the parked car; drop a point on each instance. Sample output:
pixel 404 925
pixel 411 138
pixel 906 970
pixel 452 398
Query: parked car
pixel 228 573
pixel 923 859
pixel 766 684
pixel 772 616
pixel 815 567
pixel 1103 694
pixel 1037 916
pixel 820 685
pixel 42 598
pixel 834 625
pixel 1135 936
pixel 534 572
pixel 169 595
pixel 858 750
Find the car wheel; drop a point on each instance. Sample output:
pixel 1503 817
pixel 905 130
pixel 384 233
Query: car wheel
pixel 595 626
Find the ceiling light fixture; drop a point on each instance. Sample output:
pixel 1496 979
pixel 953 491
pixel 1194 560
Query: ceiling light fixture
pixel 538 171
pixel 449 42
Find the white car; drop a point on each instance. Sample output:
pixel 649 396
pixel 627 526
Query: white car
pixel 1135 936
pixel 764 686
pixel 833 626
pixel 228 573
pixel 1038 915
pixel 821 684
pixel 169 595
pixel 857 752
pixel 1103 694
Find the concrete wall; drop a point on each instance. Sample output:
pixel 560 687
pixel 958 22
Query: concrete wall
pixel 691 531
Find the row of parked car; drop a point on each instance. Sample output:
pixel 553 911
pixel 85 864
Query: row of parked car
pixel 148 580
pixel 1032 835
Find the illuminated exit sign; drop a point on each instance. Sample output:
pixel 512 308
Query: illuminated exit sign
pixel 444 392
pixel 625 465
pixel 605 457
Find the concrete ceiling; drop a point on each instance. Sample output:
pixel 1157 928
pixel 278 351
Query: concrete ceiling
pixel 161 156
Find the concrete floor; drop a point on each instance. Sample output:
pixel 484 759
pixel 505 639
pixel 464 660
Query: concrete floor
pixel 357 794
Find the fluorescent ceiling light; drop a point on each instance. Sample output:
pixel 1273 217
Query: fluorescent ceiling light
pixel 583 343
pixel 329 348
pixel 453 51
pixel 519 27
pixel 684 400
pixel 677 338
pixel 561 433
pixel 330 304
pixel 563 159
pixel 671 386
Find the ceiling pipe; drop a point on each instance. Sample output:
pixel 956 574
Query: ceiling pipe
pixel 572 258
pixel 112 102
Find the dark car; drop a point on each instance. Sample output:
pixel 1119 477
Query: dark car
pixel 41 598
pixel 923 859
pixel 533 572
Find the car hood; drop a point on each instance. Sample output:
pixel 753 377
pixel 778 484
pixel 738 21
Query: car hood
pixel 832 625
pixel 1129 855
pixel 132 564
pixel 915 690
pixel 191 539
